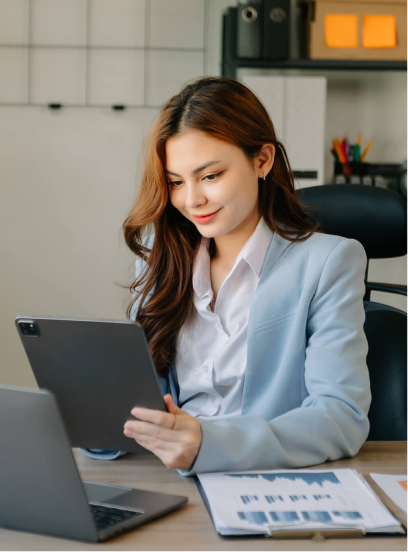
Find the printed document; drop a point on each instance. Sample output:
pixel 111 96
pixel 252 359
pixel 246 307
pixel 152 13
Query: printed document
pixel 262 501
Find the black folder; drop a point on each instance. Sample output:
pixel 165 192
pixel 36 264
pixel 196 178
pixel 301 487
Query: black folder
pixel 275 21
pixel 249 19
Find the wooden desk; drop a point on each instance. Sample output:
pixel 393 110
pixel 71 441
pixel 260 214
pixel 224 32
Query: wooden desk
pixel 190 527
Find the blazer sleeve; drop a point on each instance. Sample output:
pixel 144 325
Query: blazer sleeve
pixel 331 422
pixel 99 454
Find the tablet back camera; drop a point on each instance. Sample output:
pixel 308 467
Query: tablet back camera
pixel 28 328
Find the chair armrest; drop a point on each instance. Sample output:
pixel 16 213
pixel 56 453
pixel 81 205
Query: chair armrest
pixel 389 288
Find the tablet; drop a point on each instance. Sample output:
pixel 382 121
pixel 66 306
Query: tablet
pixel 98 371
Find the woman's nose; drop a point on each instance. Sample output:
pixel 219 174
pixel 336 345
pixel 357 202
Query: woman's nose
pixel 194 195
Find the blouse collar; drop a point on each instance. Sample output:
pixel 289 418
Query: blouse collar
pixel 253 252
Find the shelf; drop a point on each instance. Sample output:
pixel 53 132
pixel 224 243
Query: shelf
pixel 323 64
pixel 230 61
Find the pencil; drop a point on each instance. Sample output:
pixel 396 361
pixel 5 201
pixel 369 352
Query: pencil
pixel 339 151
pixel 368 146
pixel 342 157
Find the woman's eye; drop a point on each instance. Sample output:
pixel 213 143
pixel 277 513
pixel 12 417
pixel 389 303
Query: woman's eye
pixel 214 175
pixel 211 178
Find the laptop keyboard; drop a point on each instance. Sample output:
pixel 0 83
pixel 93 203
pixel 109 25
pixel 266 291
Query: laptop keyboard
pixel 105 516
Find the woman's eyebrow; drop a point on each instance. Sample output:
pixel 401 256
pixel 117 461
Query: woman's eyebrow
pixel 197 170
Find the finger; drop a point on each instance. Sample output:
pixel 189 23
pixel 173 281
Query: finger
pixel 157 417
pixel 147 429
pixel 165 453
pixel 171 407
pixel 143 443
pixel 172 455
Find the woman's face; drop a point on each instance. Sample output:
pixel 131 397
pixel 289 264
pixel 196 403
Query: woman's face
pixel 206 175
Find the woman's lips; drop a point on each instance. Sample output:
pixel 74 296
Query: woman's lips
pixel 204 220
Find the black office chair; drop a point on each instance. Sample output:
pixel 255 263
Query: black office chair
pixel 377 218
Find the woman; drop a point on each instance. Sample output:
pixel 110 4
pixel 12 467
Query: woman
pixel 254 318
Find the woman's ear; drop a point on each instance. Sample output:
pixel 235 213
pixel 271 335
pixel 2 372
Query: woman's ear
pixel 266 158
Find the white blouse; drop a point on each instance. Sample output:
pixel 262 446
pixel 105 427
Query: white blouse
pixel 211 351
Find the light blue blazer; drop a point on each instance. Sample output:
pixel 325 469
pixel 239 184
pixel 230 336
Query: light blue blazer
pixel 306 390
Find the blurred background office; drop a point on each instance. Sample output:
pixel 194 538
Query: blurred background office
pixel 81 81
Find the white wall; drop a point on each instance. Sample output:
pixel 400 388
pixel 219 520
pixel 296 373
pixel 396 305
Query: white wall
pixel 69 178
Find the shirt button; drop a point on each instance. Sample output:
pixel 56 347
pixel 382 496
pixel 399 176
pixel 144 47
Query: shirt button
pixel 213 399
pixel 205 368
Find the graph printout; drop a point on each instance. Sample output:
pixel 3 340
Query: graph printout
pixel 254 501
pixel 395 486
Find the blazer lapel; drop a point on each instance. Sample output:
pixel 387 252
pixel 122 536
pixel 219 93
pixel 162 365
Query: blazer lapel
pixel 257 313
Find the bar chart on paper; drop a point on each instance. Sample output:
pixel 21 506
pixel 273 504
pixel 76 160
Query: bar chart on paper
pixel 248 499
pixel 296 498
pixel 309 487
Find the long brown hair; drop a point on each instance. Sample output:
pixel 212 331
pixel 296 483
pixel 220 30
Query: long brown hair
pixel 227 110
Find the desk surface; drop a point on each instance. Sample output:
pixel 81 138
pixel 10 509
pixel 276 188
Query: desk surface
pixel 190 527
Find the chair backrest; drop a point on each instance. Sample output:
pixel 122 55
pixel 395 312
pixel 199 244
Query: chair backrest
pixel 386 331
pixel 376 217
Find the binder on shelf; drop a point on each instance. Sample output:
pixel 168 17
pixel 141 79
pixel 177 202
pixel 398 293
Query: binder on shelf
pixel 249 18
pixel 263 29
pixel 275 34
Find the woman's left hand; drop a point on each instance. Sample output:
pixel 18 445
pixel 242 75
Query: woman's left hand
pixel 174 436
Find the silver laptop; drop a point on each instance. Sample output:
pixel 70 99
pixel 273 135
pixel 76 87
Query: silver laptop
pixel 40 487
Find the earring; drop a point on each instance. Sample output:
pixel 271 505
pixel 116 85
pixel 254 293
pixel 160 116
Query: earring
pixel 264 176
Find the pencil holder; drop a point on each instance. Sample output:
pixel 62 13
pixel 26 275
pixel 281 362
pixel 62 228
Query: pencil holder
pixel 353 172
